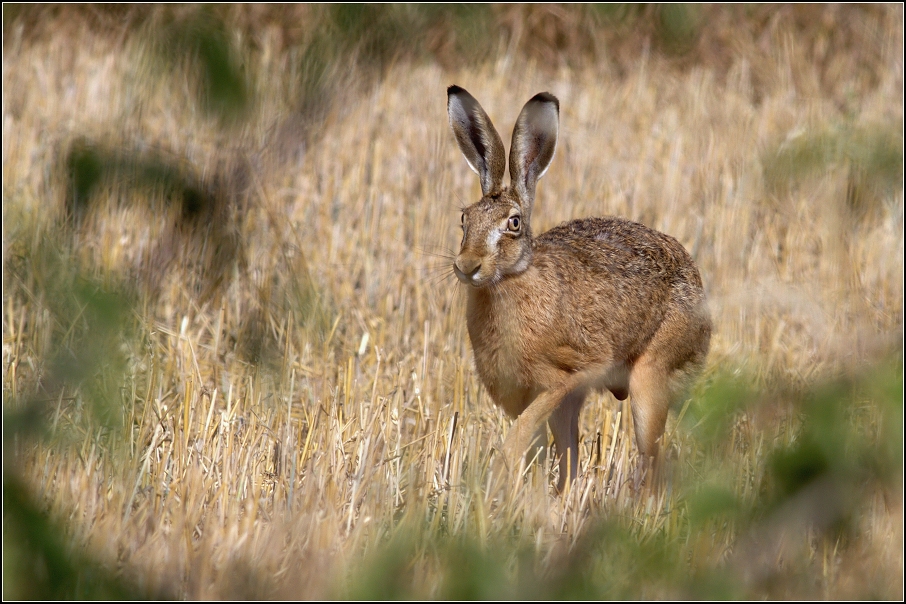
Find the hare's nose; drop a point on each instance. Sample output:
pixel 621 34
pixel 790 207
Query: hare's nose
pixel 466 267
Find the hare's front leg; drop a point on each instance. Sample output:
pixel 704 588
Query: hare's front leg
pixel 522 434
pixel 571 392
pixel 564 424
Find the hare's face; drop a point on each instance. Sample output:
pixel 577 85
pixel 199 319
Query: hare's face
pixel 496 241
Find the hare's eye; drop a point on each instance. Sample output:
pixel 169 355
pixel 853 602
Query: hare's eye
pixel 514 224
pixel 462 219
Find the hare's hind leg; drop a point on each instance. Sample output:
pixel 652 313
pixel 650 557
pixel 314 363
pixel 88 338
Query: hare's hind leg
pixel 660 375
pixel 650 394
pixel 537 450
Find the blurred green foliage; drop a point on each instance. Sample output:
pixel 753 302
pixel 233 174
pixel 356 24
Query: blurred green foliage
pixel 611 561
pixel 91 165
pixel 712 412
pixel 85 365
pixel 202 43
pixel 354 45
pixel 837 444
pixel 89 325
pixel 381 34
pixel 40 563
pixel 872 156
pixel 679 26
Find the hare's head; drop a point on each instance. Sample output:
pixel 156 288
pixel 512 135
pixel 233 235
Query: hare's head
pixel 497 238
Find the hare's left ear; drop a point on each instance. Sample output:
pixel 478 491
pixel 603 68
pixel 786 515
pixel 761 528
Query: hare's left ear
pixel 534 142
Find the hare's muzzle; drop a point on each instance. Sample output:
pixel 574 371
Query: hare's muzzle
pixel 467 268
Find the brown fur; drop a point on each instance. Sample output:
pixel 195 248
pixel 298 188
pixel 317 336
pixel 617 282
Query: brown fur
pixel 598 303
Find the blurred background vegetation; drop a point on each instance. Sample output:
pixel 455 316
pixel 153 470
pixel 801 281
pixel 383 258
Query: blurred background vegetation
pixel 81 362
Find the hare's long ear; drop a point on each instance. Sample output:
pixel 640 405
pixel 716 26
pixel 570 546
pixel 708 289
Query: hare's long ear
pixel 477 139
pixel 534 142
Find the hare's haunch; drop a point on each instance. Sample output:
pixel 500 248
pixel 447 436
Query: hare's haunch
pixel 593 304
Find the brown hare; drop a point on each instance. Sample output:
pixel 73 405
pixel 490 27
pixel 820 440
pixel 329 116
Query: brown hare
pixel 593 304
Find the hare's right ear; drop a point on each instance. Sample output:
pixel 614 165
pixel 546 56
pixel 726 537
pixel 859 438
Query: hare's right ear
pixel 477 139
pixel 534 142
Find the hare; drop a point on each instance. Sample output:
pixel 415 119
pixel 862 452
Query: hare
pixel 593 304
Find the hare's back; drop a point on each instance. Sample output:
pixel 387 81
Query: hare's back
pixel 616 246
pixel 614 282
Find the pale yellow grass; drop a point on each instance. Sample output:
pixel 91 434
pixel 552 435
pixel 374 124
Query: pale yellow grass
pixel 236 481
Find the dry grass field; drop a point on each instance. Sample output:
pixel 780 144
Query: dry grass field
pixel 235 362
